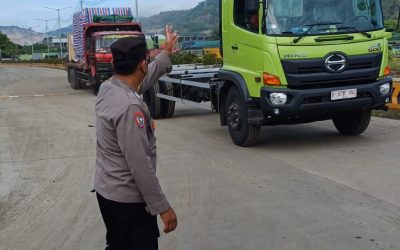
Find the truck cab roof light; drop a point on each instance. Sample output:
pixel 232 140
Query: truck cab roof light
pixel 270 79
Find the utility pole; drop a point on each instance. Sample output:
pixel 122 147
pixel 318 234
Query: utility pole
pixel 137 11
pixel 81 5
pixel 30 28
pixel 59 25
pixel 47 35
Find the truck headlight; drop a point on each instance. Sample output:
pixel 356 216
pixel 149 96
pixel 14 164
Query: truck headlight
pixel 385 89
pixel 278 98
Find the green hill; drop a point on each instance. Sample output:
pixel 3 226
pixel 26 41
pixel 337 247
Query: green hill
pixel 200 20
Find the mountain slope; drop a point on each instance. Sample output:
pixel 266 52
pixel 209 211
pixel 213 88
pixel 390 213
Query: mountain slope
pixel 22 36
pixel 201 19
pixel 64 31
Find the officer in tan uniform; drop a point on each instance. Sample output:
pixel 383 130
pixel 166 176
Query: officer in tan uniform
pixel 128 191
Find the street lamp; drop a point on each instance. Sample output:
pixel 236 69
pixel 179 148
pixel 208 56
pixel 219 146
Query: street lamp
pixel 59 23
pixel 30 28
pixel 47 35
pixel 137 11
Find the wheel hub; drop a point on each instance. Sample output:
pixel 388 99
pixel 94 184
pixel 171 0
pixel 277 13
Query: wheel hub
pixel 234 119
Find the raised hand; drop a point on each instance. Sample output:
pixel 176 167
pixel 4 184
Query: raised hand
pixel 172 39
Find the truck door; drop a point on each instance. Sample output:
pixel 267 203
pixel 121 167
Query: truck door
pixel 242 41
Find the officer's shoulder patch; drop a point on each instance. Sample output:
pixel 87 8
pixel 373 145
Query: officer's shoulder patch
pixel 139 119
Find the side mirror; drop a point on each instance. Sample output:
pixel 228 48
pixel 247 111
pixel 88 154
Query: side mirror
pixel 397 26
pixel 252 5
pixel 154 38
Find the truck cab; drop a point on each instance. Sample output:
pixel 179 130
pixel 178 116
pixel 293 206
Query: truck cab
pixel 99 55
pixel 95 29
pixel 288 62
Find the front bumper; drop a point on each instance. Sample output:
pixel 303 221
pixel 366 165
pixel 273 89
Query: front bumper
pixel 317 102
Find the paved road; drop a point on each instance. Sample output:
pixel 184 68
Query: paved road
pixel 302 188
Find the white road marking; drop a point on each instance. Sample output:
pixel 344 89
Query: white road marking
pixel 31 96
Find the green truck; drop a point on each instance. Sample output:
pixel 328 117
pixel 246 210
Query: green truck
pixel 288 62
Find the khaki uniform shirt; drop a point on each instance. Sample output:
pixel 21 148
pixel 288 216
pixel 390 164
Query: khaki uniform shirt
pixel 126 145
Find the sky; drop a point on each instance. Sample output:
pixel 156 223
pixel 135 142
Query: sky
pixel 24 13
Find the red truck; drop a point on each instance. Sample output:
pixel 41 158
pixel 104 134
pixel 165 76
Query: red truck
pixel 95 29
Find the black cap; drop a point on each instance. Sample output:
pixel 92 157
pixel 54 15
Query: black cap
pixel 129 49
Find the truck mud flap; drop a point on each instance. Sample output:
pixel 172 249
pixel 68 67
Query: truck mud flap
pixel 396 95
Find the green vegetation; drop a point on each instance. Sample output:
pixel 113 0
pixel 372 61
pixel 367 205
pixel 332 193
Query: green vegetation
pixel 189 58
pixel 211 59
pixel 37 48
pixel 186 58
pixel 395 65
pixel 391 114
pixel 7 47
pixel 10 49
pixel 391 9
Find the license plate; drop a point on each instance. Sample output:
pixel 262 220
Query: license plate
pixel 343 94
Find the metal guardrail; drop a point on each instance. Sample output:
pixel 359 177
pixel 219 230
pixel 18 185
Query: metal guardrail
pixel 396 95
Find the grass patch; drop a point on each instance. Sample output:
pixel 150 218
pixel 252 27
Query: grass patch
pixel 395 64
pixel 391 114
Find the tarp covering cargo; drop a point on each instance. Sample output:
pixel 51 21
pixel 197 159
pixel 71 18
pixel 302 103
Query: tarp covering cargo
pixel 85 17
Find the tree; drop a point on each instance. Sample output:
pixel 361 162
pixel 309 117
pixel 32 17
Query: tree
pixel 390 8
pixel 390 24
pixel 7 47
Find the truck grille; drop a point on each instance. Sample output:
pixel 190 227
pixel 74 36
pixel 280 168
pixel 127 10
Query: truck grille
pixel 312 74
pixel 104 67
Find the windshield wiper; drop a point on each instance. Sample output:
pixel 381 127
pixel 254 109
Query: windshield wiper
pixel 355 30
pixel 311 26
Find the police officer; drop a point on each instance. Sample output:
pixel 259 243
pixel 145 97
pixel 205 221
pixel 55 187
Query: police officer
pixel 128 191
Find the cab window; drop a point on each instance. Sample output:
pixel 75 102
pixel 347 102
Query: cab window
pixel 246 14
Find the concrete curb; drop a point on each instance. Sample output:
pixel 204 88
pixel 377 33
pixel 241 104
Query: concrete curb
pixel 41 65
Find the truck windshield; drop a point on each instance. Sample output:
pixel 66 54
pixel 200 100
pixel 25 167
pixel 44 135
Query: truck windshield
pixel 316 17
pixel 104 42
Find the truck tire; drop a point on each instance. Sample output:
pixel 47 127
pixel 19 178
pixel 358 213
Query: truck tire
pixel 75 84
pixel 69 75
pixel 152 101
pixel 167 106
pixel 242 133
pixel 353 123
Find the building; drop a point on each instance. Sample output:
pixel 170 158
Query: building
pixel 55 41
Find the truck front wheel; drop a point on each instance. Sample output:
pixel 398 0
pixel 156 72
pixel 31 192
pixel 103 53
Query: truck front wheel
pixel 75 84
pixel 352 123
pixel 242 133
